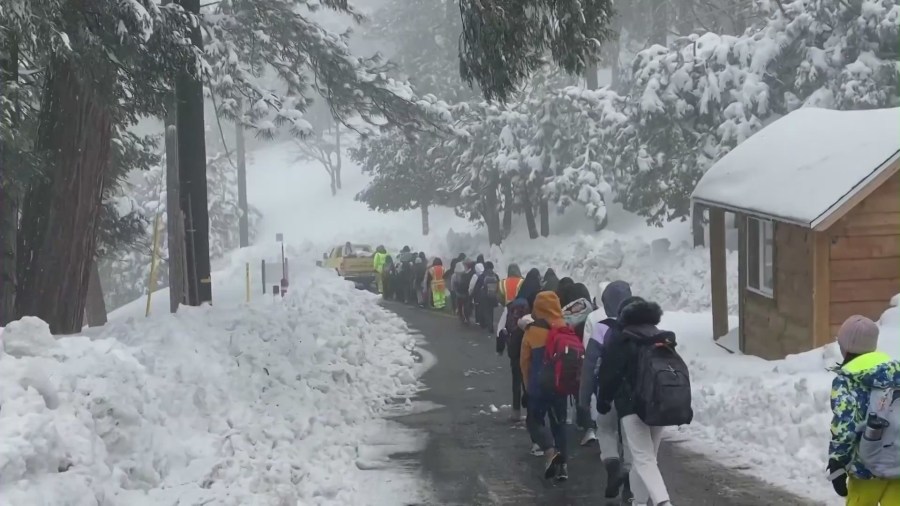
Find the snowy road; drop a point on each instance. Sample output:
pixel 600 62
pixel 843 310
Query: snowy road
pixel 476 457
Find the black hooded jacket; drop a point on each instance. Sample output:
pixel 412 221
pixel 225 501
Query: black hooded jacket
pixel 619 356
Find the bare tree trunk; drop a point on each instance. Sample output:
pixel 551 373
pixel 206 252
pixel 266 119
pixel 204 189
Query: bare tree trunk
pixel 590 76
pixel 333 183
pixel 423 206
pixel 545 217
pixel 95 305
pixel 9 212
pixel 697 226
pixel 507 208
pixel 174 216
pixel 244 220
pixel 660 23
pixel 337 165
pixel 491 215
pixel 192 172
pixel 60 215
pixel 529 217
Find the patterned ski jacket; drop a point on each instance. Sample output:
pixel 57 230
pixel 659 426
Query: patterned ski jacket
pixel 850 404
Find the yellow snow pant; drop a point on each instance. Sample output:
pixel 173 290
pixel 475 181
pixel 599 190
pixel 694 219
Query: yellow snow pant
pixel 874 492
pixel 379 280
pixel 438 294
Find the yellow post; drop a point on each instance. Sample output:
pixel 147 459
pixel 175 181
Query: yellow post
pixel 248 281
pixel 154 254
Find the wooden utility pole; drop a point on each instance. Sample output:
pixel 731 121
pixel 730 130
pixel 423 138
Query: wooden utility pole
pixel 244 220
pixel 192 173
pixel 174 216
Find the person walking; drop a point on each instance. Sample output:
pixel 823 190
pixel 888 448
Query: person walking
pixel 378 264
pixel 577 305
pixel 474 285
pixel 544 405
pixel 436 283
pixel 550 280
pixel 597 327
pixel 460 289
pixel 448 277
pixel 487 293
pixel 863 455
pixel 509 287
pixel 419 285
pixel 617 381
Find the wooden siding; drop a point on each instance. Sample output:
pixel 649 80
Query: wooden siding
pixel 865 256
pixel 774 327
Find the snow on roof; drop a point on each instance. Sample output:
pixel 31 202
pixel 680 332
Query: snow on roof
pixel 803 166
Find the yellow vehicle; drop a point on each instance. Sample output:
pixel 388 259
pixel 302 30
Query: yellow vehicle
pixel 353 262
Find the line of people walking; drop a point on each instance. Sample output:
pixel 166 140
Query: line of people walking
pixel 566 347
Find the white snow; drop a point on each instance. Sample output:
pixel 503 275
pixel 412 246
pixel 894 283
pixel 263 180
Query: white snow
pixel 275 402
pixel 804 165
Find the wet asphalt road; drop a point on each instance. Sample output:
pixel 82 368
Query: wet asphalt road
pixel 476 457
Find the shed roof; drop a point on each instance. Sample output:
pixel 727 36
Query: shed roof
pixel 803 167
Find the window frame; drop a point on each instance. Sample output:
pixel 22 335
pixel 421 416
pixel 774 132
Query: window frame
pixel 761 225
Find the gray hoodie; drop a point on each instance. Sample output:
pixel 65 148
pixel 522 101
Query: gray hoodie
pixel 611 298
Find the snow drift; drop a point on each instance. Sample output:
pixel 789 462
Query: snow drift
pixel 266 403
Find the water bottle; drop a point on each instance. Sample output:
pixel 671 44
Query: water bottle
pixel 875 426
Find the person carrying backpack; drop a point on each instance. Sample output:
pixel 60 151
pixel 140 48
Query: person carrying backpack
pixel 550 359
pixel 509 337
pixel 487 295
pixel 642 372
pixel 864 451
pixel 474 288
pixel 576 309
pixel 598 325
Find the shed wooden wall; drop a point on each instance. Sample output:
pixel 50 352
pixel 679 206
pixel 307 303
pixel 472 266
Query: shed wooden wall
pixel 774 327
pixel 865 256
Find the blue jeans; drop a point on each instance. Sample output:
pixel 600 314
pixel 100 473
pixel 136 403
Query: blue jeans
pixel 541 409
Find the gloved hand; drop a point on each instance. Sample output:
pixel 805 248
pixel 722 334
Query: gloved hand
pixel 604 407
pixel 839 477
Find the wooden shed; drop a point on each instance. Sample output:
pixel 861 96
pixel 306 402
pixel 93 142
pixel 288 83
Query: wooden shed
pixel 816 197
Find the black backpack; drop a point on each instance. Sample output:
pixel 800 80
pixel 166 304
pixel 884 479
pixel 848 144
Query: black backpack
pixel 662 383
pixel 490 286
pixel 515 310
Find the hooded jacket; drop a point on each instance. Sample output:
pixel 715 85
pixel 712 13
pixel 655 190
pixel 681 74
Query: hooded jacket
pixel 531 359
pixel 617 371
pixel 479 270
pixel 850 404
pixel 600 320
pixel 456 279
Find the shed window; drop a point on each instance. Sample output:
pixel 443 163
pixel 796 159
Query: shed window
pixel 760 257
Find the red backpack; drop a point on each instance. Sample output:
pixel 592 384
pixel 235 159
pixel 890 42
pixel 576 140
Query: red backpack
pixel 563 359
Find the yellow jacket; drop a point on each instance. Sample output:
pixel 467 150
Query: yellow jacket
pixel 547 314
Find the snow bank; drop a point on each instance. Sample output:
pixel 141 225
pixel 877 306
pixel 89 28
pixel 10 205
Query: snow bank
pixel 267 403
pixel 770 418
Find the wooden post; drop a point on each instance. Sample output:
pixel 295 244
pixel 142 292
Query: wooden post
pixel 821 293
pixel 718 275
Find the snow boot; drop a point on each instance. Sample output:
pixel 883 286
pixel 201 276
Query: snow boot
pixel 515 416
pixel 614 477
pixel 552 460
pixel 536 450
pixel 589 438
pixel 563 473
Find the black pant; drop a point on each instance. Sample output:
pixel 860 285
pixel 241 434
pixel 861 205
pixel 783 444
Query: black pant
pixel 485 316
pixel 516 383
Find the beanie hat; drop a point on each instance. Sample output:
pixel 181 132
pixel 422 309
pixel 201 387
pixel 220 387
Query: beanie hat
pixel 858 335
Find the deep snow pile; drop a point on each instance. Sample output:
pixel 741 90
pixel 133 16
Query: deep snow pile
pixel 771 418
pixel 266 403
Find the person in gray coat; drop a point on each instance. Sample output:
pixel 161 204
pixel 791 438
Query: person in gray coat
pixel 596 326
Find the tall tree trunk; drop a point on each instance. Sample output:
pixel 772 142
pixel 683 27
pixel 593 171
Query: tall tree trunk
pixel 337 165
pixel 529 217
pixel 95 306
pixel 244 220
pixel 333 182
pixel 491 215
pixel 174 216
pixel 545 217
pixel 507 208
pixel 590 76
pixel 9 212
pixel 192 172
pixel 697 226
pixel 60 215
pixel 660 23
pixel 423 206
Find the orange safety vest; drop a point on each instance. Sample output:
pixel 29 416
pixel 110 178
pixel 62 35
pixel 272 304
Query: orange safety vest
pixel 437 278
pixel 511 288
